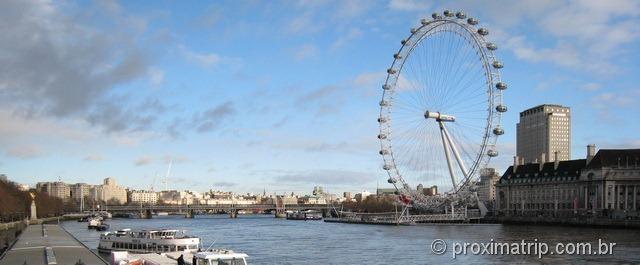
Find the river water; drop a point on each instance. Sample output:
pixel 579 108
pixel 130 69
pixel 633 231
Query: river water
pixel 268 240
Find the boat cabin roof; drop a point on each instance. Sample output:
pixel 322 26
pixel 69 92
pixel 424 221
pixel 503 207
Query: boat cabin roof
pixel 222 255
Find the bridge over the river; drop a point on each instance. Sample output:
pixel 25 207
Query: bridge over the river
pixel 233 209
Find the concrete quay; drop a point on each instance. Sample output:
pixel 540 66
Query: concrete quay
pixel 50 245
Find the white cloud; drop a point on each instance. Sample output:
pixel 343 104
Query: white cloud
pixel 25 151
pixel 144 160
pixel 305 51
pixel 608 99
pixel 17 126
pixel 346 10
pixel 352 35
pixel 583 35
pixel 58 63
pixel 370 80
pixel 326 177
pixel 204 59
pixel 149 159
pixel 564 54
pixel 304 23
pixel 408 5
pixel 592 86
pixel 156 76
pixel 94 157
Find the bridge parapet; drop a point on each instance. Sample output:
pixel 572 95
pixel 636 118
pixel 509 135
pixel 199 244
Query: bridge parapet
pixel 197 207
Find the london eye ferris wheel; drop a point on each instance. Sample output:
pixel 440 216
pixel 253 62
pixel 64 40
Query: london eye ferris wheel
pixel 441 108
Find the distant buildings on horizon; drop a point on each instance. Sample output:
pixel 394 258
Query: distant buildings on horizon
pixel 110 193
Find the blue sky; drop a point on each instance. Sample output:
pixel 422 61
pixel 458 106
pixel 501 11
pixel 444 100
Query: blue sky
pixel 275 95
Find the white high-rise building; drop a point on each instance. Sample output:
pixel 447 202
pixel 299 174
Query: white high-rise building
pixel 143 197
pixel 109 192
pixel 544 134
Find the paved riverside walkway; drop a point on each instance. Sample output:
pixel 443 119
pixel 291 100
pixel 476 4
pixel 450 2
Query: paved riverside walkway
pixel 31 248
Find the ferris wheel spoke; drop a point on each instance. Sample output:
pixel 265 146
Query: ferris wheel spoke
pixel 419 75
pixel 462 83
pixel 417 86
pixel 464 100
pixel 451 73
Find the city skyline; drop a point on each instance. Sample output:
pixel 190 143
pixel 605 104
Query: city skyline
pixel 248 96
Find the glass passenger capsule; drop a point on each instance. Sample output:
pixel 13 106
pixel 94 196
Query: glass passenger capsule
pixel 492 153
pixel 501 108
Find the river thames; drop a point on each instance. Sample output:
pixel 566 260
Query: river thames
pixel 268 240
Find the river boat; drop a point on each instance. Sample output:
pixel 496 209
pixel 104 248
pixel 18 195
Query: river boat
pixel 105 214
pixel 93 223
pixel 220 256
pixel 209 257
pixel 304 215
pixel 148 241
pixel 102 227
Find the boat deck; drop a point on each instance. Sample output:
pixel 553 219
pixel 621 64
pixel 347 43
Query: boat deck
pixel 48 244
pixel 155 258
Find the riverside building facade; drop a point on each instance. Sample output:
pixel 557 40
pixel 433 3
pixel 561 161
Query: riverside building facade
pixel 606 183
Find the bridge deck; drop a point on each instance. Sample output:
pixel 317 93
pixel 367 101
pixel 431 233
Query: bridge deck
pixel 30 248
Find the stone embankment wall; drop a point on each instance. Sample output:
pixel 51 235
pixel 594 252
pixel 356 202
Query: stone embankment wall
pixel 9 232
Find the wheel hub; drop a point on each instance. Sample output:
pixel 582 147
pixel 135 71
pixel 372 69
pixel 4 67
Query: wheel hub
pixel 438 116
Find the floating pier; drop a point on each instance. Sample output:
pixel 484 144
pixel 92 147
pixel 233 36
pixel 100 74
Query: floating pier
pixel 50 245
pixel 404 218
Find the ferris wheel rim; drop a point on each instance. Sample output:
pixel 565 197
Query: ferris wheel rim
pixel 493 78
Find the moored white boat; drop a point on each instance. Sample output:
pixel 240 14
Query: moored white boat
pixel 94 222
pixel 148 241
pixel 211 257
pixel 304 215
pixel 220 256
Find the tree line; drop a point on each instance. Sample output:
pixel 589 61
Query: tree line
pixel 15 204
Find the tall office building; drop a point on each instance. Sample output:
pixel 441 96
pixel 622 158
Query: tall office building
pixel 57 189
pixel 80 190
pixel 544 132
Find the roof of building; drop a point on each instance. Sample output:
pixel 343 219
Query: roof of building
pixel 565 168
pixel 573 168
pixel 543 105
pixel 615 157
